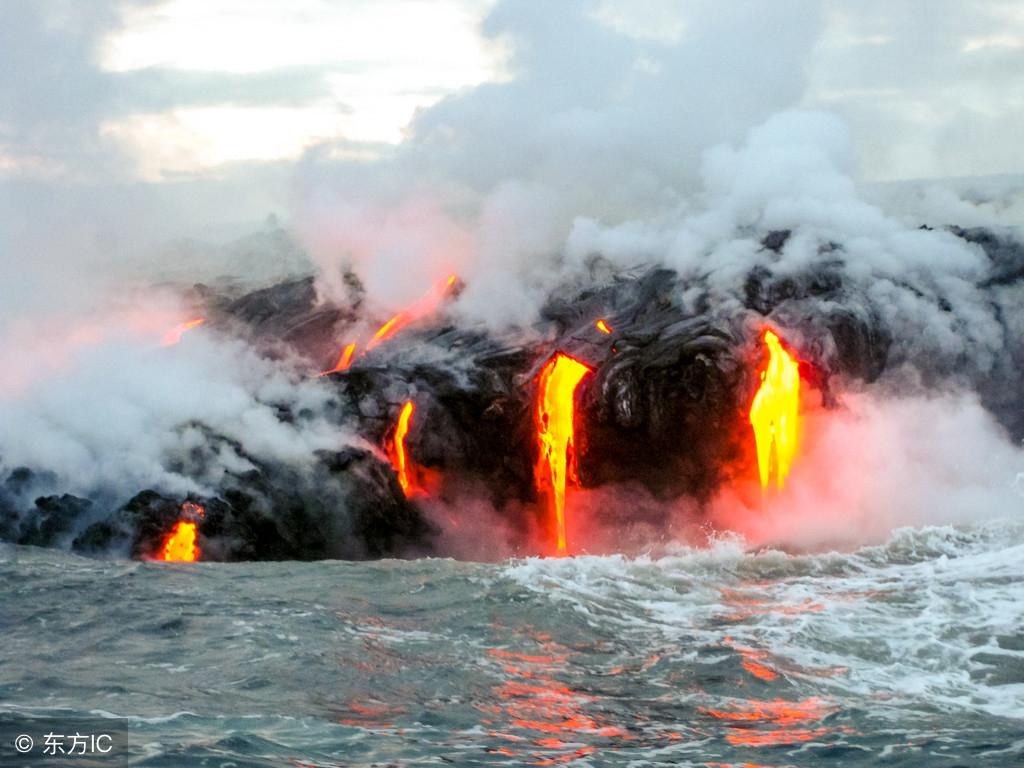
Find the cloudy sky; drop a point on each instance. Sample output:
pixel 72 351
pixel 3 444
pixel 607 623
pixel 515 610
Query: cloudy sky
pixel 160 89
pixel 128 122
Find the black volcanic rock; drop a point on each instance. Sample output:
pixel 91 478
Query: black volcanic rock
pixel 663 413
pixel 347 505
pixel 54 517
pixel 664 409
pixel 288 313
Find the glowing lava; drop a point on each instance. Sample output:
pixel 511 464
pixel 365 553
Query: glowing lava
pixel 603 326
pixel 344 360
pixel 774 414
pixel 423 306
pixel 180 545
pixel 556 462
pixel 174 335
pixel 399 459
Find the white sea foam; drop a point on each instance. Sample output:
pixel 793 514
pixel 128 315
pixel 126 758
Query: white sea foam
pixel 918 618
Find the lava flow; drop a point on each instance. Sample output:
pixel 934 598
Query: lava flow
pixel 774 414
pixel 397 454
pixel 180 545
pixel 424 306
pixel 556 462
pixel 174 335
pixel 603 326
pixel 344 360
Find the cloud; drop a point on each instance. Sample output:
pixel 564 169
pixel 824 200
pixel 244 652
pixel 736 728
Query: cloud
pixel 109 410
pixel 925 98
pixel 593 121
pixel 155 89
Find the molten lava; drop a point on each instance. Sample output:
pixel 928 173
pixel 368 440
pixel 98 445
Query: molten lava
pixel 603 326
pixel 774 414
pixel 180 545
pixel 424 306
pixel 399 458
pixel 174 335
pixel 344 360
pixel 556 407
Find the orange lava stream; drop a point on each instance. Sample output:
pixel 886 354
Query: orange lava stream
pixel 603 326
pixel 423 306
pixel 344 360
pixel 774 414
pixel 556 434
pixel 180 545
pixel 399 459
pixel 389 329
pixel 174 335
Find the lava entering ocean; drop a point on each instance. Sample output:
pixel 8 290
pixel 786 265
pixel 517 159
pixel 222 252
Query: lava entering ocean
pixel 181 545
pixel 774 414
pixel 556 415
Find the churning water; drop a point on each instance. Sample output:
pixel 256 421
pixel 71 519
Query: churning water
pixel 905 654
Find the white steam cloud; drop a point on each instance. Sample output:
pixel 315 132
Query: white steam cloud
pixel 881 463
pixel 120 411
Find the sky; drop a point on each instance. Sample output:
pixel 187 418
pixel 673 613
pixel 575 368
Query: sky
pixel 129 123
pixel 178 88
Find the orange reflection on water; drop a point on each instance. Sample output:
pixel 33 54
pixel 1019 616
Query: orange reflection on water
pixel 545 721
pixel 746 604
pixel 771 723
pixel 752 661
pixel 371 715
pixel 752 664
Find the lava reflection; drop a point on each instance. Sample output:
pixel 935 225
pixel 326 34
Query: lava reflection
pixel 534 709
pixel 745 604
pixel 773 723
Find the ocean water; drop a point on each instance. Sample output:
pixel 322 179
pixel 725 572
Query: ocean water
pixel 909 653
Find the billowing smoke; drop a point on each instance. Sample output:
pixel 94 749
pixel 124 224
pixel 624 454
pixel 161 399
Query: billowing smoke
pixel 671 180
pixel 593 122
pixel 880 463
pixel 118 412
